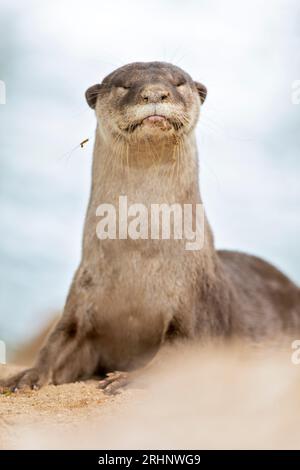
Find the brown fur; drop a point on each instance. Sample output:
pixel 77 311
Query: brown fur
pixel 130 296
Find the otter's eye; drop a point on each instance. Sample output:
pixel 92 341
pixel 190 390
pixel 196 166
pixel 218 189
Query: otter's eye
pixel 179 84
pixel 124 87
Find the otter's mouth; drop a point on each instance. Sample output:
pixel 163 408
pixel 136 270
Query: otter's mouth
pixel 155 121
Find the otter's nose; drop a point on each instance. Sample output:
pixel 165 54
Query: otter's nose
pixel 154 94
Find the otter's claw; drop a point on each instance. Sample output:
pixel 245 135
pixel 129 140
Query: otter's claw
pixel 27 379
pixel 114 382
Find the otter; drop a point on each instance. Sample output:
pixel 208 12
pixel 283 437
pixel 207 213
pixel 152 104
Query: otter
pixel 130 296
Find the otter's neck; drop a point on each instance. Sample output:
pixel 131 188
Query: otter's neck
pixel 165 171
pixel 126 171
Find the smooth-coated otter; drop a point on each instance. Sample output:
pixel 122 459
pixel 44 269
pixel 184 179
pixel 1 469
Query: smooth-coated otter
pixel 129 296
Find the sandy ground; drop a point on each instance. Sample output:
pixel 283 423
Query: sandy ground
pixel 25 417
pixel 191 397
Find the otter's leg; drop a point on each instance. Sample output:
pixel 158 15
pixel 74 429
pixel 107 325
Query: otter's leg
pixel 79 361
pixel 66 357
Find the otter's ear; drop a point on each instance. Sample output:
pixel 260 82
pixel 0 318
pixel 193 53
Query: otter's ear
pixel 202 91
pixel 91 95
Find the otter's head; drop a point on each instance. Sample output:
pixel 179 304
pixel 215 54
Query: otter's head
pixel 147 100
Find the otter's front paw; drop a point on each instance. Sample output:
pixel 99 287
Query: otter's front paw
pixel 114 382
pixel 27 379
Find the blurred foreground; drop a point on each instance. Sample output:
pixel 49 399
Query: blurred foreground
pixel 191 397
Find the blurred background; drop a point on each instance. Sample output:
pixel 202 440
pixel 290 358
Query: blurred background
pixel 246 53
